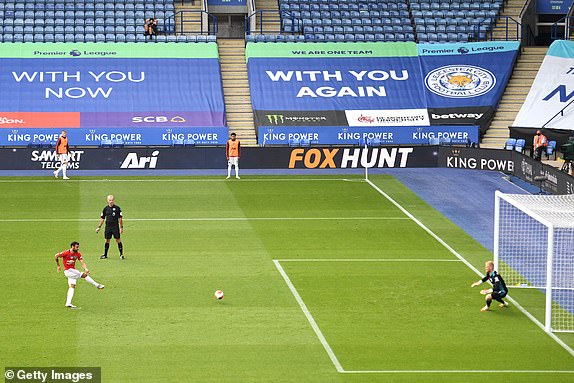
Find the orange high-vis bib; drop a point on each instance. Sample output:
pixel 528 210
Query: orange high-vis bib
pixel 63 145
pixel 233 150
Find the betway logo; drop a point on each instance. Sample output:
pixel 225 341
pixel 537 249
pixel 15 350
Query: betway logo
pixel 458 116
pixel 350 158
pixel 133 161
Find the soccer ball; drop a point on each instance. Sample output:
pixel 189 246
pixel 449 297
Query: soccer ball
pixel 218 294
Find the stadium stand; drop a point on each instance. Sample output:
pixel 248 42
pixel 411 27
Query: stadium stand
pixel 379 20
pixel 88 21
pixel 457 20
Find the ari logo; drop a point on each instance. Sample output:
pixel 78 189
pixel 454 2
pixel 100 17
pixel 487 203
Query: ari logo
pixel 275 119
pixel 132 161
pixel 75 53
pixel 460 81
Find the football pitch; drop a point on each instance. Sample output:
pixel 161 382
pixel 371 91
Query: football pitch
pixel 326 279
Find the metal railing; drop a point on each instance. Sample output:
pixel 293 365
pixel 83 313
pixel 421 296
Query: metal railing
pixel 567 23
pixel 560 113
pixel 252 27
pixel 512 30
pixel 207 22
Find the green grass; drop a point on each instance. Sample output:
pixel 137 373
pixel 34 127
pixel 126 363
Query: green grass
pixel 157 321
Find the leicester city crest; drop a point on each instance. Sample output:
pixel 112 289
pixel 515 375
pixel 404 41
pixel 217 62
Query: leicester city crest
pixel 460 81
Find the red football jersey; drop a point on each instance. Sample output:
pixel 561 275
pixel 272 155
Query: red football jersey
pixel 70 258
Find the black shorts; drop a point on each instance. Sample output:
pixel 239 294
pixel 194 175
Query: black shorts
pixel 498 295
pixel 115 231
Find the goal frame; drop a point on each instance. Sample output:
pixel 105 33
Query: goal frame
pixel 549 250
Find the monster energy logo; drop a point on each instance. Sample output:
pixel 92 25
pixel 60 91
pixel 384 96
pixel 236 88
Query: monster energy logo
pixel 275 119
pixel 281 119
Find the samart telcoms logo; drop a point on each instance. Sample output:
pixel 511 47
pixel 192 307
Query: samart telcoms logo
pixel 460 81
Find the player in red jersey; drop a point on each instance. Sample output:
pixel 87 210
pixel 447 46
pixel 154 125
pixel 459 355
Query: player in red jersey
pixel 70 257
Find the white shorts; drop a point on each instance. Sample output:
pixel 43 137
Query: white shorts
pixel 64 158
pixel 73 275
pixel 233 161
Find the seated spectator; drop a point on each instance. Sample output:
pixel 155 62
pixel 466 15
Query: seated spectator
pixel 150 27
pixel 539 144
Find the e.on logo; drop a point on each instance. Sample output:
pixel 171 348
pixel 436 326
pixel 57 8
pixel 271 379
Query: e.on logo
pixel 314 158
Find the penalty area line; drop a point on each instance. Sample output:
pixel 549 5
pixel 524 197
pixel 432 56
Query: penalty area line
pixel 310 318
pixel 469 265
pixel 457 372
pixel 367 260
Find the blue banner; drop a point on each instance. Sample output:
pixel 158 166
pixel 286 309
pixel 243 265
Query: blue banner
pixel 125 86
pixel 553 6
pixel 466 75
pixel 336 84
pixel 392 135
pixel 378 84
pixel 135 136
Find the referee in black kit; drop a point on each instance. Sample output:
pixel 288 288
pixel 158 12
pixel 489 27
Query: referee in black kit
pixel 112 214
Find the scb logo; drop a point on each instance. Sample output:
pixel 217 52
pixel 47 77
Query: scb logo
pixel 139 119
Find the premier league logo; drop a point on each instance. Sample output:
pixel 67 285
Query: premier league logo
pixel 460 81
pixel 462 50
pixel 75 53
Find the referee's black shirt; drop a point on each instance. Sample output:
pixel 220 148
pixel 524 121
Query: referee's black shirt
pixel 112 215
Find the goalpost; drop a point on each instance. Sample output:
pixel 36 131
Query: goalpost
pixel 534 249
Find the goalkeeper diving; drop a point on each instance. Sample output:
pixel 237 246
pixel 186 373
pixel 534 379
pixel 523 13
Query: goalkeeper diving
pixel 498 290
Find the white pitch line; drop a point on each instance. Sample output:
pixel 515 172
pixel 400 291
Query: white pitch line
pixel 469 265
pixel 310 318
pixel 51 180
pixel 214 219
pixel 368 260
pixel 458 372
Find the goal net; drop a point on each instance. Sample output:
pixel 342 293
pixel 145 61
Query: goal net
pixel 534 249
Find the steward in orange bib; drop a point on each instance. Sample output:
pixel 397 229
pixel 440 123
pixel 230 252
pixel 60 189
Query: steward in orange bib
pixel 539 145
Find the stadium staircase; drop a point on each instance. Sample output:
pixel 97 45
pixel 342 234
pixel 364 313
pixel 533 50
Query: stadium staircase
pixel 511 11
pixel 236 90
pixel 516 91
pixel 191 20
pixel 269 21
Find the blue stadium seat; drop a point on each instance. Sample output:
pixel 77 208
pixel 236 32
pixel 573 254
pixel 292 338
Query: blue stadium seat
pixel 510 143
pixel 519 145
pixel 551 149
